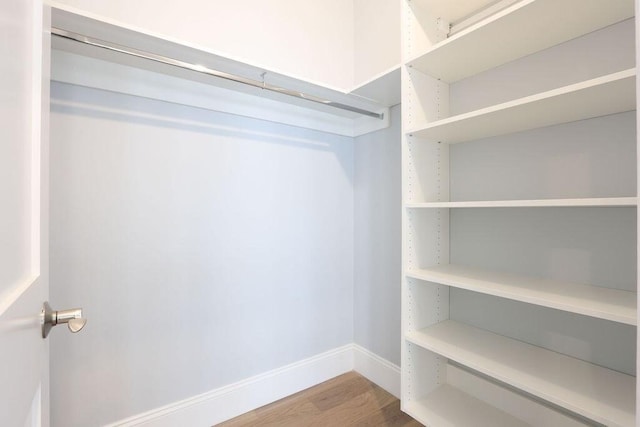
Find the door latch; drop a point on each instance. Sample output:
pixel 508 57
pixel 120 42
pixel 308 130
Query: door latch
pixel 50 318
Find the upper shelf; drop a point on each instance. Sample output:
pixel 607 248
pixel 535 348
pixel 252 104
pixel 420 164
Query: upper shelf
pixel 537 24
pixel 138 75
pixel 610 94
pixel 602 395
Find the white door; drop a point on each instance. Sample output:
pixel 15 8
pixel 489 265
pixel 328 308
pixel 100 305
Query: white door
pixel 24 366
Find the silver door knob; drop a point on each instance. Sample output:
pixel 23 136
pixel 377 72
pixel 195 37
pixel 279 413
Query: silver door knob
pixel 50 318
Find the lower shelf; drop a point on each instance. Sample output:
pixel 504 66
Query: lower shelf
pixel 602 395
pixel 447 406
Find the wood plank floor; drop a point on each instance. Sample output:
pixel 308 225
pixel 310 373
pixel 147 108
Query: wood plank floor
pixel 347 400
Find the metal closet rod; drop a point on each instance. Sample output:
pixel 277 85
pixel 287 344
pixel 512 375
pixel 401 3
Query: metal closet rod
pixel 205 70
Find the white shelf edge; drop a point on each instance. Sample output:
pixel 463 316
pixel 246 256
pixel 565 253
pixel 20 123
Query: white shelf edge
pixel 484 37
pixel 448 406
pixel 600 394
pixel 376 77
pixel 249 102
pixel 585 202
pixel 542 101
pixel 603 303
pixel 383 88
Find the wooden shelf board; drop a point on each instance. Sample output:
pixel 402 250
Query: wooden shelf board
pixel 586 202
pixel 597 393
pixel 535 24
pixel 447 406
pixel 603 303
pixel 610 94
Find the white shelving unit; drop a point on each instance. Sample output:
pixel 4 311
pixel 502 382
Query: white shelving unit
pixel 456 50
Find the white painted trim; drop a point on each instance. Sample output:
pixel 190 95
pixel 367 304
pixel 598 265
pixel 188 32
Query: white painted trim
pixel 377 370
pixel 235 399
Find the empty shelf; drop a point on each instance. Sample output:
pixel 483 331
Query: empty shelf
pixel 604 303
pixel 597 393
pixel 447 406
pixel 586 202
pixel 535 24
pixel 610 94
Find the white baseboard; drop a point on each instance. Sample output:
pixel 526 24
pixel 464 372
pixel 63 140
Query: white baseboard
pixel 235 399
pixel 377 370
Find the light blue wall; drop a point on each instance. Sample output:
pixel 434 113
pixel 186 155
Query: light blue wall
pixel 378 241
pixel 204 248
